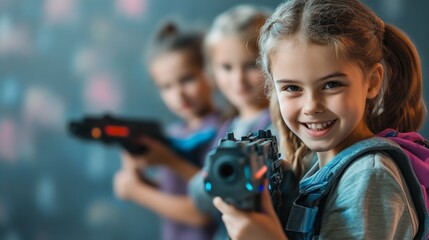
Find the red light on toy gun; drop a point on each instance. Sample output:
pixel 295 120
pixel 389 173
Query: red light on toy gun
pixel 117 131
pixel 260 172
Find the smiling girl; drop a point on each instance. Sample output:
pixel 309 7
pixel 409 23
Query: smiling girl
pixel 337 75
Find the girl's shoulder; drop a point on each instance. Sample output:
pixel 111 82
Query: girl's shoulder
pixel 372 171
pixel 364 170
pixel 373 183
pixel 374 163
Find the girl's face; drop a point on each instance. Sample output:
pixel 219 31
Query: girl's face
pixel 322 98
pixel 183 86
pixel 236 73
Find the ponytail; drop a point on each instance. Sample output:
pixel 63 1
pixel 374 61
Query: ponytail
pixel 168 31
pixel 402 107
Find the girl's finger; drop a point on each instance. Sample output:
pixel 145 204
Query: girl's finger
pixel 224 207
pixel 130 162
pixel 148 141
pixel 266 203
pixel 127 160
pixel 219 204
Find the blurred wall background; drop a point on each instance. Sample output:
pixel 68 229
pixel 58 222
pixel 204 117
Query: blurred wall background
pixel 60 59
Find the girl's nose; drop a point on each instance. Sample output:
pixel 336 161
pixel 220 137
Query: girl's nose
pixel 182 92
pixel 312 104
pixel 178 92
pixel 239 76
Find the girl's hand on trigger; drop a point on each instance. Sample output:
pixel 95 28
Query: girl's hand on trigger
pixel 251 225
pixel 157 154
pixel 131 162
pixel 160 154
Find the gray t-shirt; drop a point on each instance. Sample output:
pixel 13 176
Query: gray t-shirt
pixel 370 201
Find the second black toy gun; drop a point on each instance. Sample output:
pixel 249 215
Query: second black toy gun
pixel 236 170
pixel 113 130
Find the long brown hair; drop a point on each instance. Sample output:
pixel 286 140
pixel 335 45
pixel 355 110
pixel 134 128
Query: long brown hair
pixel 356 33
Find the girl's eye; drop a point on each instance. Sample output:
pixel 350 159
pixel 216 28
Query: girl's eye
pixel 251 65
pixel 226 67
pixel 164 87
pixel 291 88
pixel 187 78
pixel 331 85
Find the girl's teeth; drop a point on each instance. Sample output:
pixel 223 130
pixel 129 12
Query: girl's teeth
pixel 319 126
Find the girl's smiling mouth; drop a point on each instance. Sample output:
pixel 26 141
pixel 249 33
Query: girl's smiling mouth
pixel 319 129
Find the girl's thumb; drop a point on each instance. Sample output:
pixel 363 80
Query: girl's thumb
pixel 266 203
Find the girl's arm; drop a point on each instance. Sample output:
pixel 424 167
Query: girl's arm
pixel 160 154
pixel 183 168
pixel 251 225
pixel 127 185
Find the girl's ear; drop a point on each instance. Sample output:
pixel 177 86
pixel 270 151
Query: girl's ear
pixel 375 81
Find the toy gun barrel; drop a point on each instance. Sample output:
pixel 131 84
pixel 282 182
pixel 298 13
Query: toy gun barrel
pixel 111 130
pixel 236 170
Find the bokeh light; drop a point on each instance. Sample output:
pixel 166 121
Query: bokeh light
pixel 44 108
pixel 133 9
pixel 102 93
pixel 60 11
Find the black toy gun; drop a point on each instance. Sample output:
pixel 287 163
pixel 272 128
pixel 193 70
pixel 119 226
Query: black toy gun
pixel 113 130
pixel 236 170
